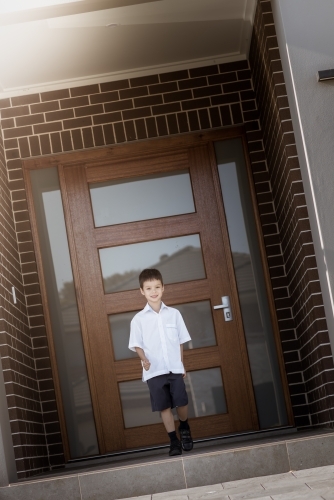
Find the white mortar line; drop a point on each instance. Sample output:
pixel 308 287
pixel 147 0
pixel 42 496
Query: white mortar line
pixel 184 473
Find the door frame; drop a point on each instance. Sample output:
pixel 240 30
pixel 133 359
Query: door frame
pixel 121 152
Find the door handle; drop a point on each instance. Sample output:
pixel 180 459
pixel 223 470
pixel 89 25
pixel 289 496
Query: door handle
pixel 226 306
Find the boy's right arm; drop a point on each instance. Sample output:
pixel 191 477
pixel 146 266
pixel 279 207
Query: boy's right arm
pixel 145 362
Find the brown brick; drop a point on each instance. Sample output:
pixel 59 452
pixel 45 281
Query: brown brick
pixel 244 74
pixel 34 146
pixel 107 118
pixel 172 124
pixel 5 103
pixel 98 136
pixel 144 80
pixel 237 86
pixel 162 88
pixel 29 120
pixel 25 99
pixel 24 147
pixel 195 104
pixel 204 71
pixel 56 143
pixel 45 144
pixel 85 90
pixel 12 164
pixel 11 144
pixel 109 134
pixel 207 91
pixel 141 129
pixel 193 120
pixel 136 113
pixel 118 85
pixel 55 95
pixel 119 105
pixel 166 108
pixel 151 127
pixel 59 115
pixel 223 78
pixel 119 132
pixel 78 122
pixel 14 112
pixel 89 110
pixel 162 125
pixel 192 83
pixel 151 100
pixel 74 102
pixel 48 127
pixel 88 137
pixel 136 92
pixel 66 141
pixel 8 123
pixel 182 120
pixel 181 95
pixel 204 118
pixel 215 117
pixel 130 131
pixel 174 75
pixel 77 139
pixel 12 154
pixel 225 114
pixel 236 114
pixel 44 107
pixel 104 97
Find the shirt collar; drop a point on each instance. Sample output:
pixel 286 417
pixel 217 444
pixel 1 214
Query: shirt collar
pixel 149 308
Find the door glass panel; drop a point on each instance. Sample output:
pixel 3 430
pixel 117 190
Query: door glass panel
pixel 178 259
pixel 152 196
pixel 251 283
pixel 197 317
pixel 205 392
pixel 64 312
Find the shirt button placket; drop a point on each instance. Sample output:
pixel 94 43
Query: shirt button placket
pixel 163 341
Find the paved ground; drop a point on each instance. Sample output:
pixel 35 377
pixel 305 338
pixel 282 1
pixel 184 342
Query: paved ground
pixel 309 484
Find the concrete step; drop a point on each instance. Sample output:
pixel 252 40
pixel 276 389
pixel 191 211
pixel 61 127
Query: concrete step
pixel 209 465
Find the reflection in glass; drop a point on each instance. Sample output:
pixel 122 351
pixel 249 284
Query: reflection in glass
pixel 197 317
pixel 64 312
pixel 178 259
pixel 251 284
pixel 205 392
pixel 151 196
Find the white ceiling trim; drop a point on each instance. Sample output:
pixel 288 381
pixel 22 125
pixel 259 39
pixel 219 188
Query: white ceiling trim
pixel 120 75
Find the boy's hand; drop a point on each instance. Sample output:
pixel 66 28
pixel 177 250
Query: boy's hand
pixel 184 374
pixel 146 364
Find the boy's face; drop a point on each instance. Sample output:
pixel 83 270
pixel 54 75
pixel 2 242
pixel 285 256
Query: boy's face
pixel 152 290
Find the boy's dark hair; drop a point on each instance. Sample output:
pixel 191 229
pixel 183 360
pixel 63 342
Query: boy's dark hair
pixel 149 275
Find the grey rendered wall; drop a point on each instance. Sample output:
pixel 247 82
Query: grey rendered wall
pixel 306 41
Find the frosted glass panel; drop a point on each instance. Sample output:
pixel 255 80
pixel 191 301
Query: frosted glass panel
pixel 178 259
pixel 142 198
pixel 64 313
pixel 205 392
pixel 197 317
pixel 251 284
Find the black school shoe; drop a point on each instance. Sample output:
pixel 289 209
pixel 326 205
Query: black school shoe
pixel 186 439
pixel 175 448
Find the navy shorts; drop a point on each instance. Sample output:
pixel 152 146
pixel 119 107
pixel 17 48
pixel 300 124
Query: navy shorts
pixel 167 391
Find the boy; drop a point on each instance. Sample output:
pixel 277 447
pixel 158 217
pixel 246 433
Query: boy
pixel 157 334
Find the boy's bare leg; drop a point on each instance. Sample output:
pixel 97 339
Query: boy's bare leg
pixel 168 420
pixel 182 412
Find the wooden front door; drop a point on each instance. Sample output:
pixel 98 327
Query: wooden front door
pixel 198 272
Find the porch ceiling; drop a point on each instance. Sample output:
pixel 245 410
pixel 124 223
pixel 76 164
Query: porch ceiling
pixel 50 44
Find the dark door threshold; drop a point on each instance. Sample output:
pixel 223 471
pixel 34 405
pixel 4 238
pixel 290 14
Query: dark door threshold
pixel 152 450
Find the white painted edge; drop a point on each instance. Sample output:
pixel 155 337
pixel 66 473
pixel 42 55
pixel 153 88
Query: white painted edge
pixel 121 75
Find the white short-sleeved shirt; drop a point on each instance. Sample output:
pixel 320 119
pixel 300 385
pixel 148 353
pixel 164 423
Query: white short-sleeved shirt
pixel 159 335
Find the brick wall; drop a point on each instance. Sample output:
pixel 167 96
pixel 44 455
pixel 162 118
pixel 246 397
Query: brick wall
pixel 308 355
pixel 17 353
pixel 111 113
